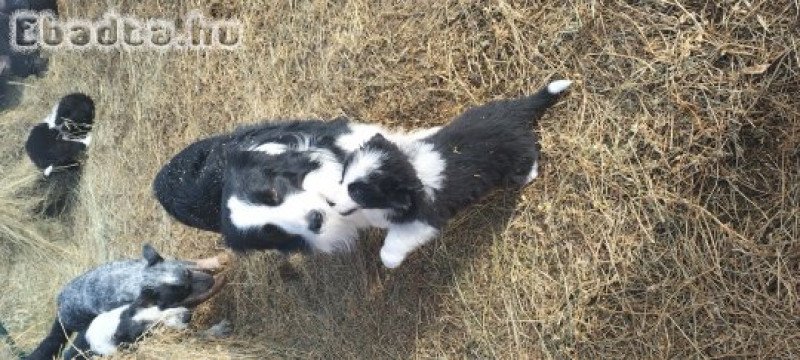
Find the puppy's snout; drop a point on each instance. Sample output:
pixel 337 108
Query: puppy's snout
pixel 315 220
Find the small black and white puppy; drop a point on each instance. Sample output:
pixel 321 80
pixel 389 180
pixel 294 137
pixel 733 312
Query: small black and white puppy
pixel 62 137
pixel 125 325
pixel 167 283
pixel 413 188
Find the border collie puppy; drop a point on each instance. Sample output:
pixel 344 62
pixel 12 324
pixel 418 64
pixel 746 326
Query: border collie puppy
pixel 413 189
pixel 189 186
pixel 171 283
pixel 63 135
pixel 125 325
pixel 264 185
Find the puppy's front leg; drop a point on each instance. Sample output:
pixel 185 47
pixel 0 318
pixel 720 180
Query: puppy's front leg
pixel 402 239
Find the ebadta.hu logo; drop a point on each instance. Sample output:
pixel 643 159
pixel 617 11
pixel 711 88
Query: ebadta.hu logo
pixel 31 30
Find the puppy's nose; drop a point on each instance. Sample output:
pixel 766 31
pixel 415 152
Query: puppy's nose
pixel 315 220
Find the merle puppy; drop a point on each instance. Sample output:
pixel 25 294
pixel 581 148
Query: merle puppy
pixel 414 188
pixel 169 283
pixel 62 137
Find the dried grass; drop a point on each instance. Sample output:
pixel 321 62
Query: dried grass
pixel 664 224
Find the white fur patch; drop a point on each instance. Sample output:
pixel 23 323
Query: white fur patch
pixel 271 148
pixel 421 134
pixel 362 164
pixel 48 170
pixel 84 140
pixel 325 179
pixel 171 317
pixel 342 200
pixel 534 172
pixel 274 148
pixel 402 239
pixel 337 233
pixel 428 164
pixel 359 134
pixel 100 334
pixel 50 120
pixel 558 86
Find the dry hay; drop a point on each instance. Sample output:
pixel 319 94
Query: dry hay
pixel 664 223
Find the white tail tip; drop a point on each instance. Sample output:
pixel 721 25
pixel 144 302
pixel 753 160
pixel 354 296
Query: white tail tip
pixel 558 86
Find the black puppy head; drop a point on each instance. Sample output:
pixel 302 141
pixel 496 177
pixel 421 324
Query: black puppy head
pixel 75 114
pixel 264 205
pixel 378 176
pixel 168 283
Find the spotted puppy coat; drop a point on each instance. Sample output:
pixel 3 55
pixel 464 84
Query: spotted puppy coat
pixel 172 283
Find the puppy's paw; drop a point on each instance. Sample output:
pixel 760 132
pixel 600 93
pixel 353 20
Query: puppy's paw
pixel 226 259
pixel 391 259
pixel 177 318
pixel 222 329
pixel 215 264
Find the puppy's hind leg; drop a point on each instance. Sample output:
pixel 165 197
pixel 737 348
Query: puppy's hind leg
pixel 529 170
pixel 79 349
pixel 533 173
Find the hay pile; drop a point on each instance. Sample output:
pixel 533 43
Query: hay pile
pixel 665 222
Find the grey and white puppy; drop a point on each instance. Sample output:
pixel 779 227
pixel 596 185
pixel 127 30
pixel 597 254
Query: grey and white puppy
pixel 170 284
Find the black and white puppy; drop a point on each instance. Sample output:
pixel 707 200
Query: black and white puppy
pixel 125 325
pixel 413 188
pixel 263 186
pixel 168 283
pixel 62 137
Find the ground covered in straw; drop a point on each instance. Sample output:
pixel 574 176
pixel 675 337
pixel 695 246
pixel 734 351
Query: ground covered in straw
pixel 664 224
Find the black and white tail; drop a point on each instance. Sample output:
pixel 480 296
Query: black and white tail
pixel 535 105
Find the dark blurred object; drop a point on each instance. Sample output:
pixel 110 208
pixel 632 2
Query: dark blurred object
pixel 14 64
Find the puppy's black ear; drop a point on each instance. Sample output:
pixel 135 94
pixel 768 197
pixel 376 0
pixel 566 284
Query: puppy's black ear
pixel 151 255
pixel 377 138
